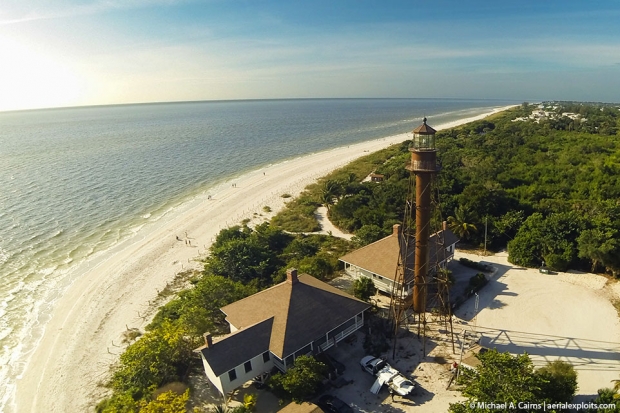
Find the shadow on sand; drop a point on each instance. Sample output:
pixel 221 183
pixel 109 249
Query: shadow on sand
pixel 587 354
pixel 493 290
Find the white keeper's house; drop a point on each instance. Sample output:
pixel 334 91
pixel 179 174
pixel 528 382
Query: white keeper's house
pixel 379 260
pixel 301 315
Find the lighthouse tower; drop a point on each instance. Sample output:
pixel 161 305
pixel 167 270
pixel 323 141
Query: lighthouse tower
pixel 424 166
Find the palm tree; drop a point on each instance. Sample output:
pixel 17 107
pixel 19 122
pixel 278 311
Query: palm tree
pixel 616 388
pixel 460 223
pixel 331 189
pixel 220 408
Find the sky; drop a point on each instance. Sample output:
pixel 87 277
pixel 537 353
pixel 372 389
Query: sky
pixel 56 53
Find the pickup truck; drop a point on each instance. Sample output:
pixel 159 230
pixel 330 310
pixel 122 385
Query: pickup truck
pixel 372 364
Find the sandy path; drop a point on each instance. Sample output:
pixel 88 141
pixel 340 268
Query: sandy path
pixel 82 338
pixel 326 225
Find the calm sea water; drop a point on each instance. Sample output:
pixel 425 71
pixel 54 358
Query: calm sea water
pixel 75 182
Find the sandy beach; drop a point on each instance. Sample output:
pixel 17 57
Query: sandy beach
pixel 83 337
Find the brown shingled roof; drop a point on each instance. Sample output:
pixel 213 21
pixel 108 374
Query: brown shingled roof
pixel 301 312
pixel 239 347
pixel 381 257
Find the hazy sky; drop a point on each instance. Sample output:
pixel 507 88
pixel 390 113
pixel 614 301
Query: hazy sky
pixel 84 52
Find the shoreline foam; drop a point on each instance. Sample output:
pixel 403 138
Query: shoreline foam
pixel 78 343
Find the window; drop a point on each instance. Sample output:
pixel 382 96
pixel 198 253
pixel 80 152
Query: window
pixel 247 366
pixel 232 375
pixel 266 357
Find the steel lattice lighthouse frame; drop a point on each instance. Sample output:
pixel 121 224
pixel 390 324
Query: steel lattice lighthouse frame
pixel 414 261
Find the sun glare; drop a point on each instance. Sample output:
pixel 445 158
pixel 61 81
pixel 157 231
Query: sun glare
pixel 32 79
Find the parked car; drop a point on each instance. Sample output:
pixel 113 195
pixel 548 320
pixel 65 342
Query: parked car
pixel 332 404
pixel 372 364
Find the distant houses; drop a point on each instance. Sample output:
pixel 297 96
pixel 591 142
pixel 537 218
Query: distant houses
pixel 374 177
pixel 299 316
pixel 541 114
pixel 379 260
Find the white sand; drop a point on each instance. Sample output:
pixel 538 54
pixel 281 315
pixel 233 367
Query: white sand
pixel 564 316
pixel 82 338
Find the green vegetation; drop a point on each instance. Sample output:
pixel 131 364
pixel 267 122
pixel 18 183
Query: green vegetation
pixel 477 282
pixel 249 401
pixel 222 408
pixel 547 188
pixel 368 234
pixel 298 215
pixel 607 396
pixel 301 381
pixel 364 288
pixel 377 343
pixel 475 265
pixel 559 379
pixel 330 191
pixel 168 402
pixel 504 378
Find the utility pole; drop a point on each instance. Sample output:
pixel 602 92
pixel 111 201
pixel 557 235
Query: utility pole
pixel 486 220
pixel 476 311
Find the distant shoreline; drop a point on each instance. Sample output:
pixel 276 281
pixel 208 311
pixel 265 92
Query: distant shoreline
pixel 81 340
pixel 113 105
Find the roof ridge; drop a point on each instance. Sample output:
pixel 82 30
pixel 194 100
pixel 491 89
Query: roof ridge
pixel 255 294
pixel 223 337
pixel 368 245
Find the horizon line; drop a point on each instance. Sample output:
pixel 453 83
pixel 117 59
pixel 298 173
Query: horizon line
pixel 244 100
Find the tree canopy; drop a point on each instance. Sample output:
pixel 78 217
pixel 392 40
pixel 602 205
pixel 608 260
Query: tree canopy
pixel 504 378
pixel 302 380
pixel 547 186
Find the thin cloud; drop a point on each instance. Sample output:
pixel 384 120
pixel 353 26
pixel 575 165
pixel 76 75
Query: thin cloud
pixel 74 10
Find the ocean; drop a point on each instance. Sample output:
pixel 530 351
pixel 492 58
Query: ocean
pixel 75 182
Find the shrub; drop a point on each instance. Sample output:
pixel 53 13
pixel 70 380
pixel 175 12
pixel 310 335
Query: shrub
pixel 368 234
pixel 475 265
pixel 168 402
pixel 118 403
pixel 477 282
pixel 301 381
pixel 159 357
pixel 249 402
pixel 376 343
pixel 364 288
pixel 559 382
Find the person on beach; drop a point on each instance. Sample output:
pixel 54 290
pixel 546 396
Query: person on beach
pixel 178 239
